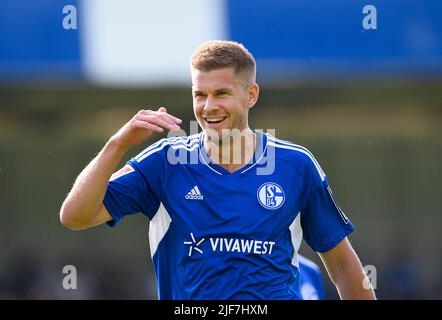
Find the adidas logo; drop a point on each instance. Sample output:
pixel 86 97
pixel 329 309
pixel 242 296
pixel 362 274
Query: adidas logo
pixel 194 194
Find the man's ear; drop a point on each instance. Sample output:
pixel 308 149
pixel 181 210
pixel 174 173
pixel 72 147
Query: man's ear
pixel 253 94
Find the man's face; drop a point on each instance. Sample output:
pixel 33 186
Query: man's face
pixel 221 99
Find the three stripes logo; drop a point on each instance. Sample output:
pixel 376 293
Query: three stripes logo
pixel 194 194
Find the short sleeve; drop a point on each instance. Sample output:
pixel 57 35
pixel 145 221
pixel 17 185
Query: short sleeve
pixel 136 187
pixel 323 222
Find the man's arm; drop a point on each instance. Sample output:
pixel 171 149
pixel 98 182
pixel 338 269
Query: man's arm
pixel 83 207
pixel 346 272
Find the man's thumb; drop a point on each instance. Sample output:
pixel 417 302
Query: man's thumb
pixel 162 109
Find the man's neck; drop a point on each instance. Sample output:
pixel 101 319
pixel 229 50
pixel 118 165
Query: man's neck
pixel 234 151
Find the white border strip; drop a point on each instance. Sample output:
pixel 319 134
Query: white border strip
pixel 296 237
pixel 158 228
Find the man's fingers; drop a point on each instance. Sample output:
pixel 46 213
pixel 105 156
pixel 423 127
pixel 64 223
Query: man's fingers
pixel 177 120
pixel 172 119
pixel 162 111
pixel 148 126
pixel 169 116
pixel 160 122
pixel 163 122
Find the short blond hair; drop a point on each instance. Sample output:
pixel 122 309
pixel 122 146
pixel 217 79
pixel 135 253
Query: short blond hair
pixel 219 54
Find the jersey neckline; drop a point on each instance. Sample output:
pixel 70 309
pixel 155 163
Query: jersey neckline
pixel 215 168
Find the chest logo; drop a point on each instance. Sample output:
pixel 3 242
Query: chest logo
pixel 270 195
pixel 194 194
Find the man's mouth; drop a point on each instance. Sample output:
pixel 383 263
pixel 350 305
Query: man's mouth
pixel 215 120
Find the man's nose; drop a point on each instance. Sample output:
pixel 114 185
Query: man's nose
pixel 211 104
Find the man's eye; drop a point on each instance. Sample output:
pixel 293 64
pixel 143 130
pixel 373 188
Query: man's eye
pixel 197 95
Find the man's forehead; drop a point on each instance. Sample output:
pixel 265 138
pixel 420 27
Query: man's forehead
pixel 214 79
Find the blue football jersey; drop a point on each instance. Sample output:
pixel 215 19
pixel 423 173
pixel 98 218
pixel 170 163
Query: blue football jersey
pixel 310 280
pixel 220 235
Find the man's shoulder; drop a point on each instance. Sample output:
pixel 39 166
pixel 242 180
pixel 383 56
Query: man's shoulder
pixel 299 156
pixel 184 139
pixel 290 151
pixel 161 147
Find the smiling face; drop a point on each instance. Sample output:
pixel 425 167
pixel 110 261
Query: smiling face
pixel 222 99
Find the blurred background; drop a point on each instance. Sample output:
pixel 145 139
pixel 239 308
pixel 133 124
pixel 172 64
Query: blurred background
pixel 359 86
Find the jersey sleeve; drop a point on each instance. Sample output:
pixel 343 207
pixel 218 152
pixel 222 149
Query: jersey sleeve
pixel 323 222
pixel 136 188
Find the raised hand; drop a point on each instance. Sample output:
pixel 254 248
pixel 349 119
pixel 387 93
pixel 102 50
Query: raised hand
pixel 142 125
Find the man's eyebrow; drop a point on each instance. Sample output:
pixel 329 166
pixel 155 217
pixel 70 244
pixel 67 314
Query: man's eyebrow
pixel 217 91
pixel 228 90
